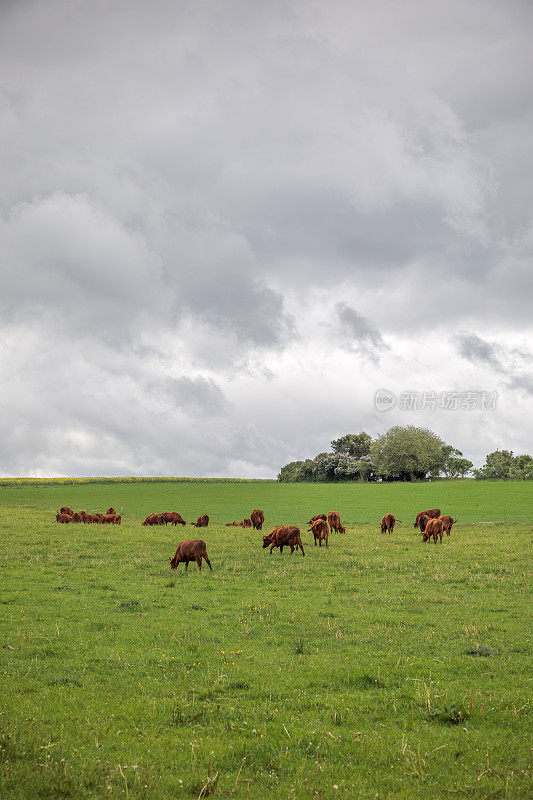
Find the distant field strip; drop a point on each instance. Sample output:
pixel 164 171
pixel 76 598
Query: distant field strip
pixel 225 501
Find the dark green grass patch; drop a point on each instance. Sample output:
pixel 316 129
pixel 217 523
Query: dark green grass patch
pixel 380 667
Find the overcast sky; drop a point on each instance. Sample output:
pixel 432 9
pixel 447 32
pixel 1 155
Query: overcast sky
pixel 225 225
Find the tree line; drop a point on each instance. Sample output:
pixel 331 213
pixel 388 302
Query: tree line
pixel 400 454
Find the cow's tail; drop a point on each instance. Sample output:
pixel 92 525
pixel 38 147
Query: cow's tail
pixel 399 520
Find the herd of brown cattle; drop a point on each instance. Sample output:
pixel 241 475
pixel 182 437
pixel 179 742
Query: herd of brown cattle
pixel 66 514
pixel 432 526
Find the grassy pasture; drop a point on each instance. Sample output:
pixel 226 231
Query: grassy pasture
pixel 381 667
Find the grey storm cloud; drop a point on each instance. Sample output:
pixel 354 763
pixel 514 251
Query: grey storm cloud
pixel 355 332
pixel 515 365
pixel 204 204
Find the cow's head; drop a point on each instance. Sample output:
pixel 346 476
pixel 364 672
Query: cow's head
pixel 266 541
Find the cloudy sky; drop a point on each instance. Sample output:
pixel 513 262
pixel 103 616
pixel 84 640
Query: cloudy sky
pixel 225 225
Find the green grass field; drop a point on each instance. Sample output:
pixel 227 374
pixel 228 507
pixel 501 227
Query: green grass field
pixel 381 667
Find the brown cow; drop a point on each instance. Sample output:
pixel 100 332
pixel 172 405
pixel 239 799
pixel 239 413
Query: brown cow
pixel 246 523
pixel 76 517
pixel 257 518
pixel 433 513
pixel 110 510
pixel 233 524
pixel 334 522
pixel 201 522
pixel 317 516
pixel 447 523
pixel 388 522
pixel 66 510
pixel 284 536
pixel 320 531
pixel 63 517
pixel 173 517
pixel 434 528
pixel 423 521
pixel 154 519
pixel 112 519
pixel 190 550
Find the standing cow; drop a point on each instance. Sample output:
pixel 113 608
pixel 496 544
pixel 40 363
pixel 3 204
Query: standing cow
pixel 448 522
pixel 257 518
pixel 319 529
pixel 334 522
pixel 284 536
pixel 388 522
pixel 434 528
pixel 190 550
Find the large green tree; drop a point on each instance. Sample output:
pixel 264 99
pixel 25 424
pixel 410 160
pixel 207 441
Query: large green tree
pixel 408 453
pixel 353 444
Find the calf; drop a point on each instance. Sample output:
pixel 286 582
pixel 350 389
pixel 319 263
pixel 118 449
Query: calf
pixel 334 522
pixel 201 522
pixel 284 536
pixel 434 528
pixel 173 517
pixel 388 522
pixel 433 513
pixel 190 550
pixel 63 517
pixel 76 517
pixel 66 510
pixel 246 523
pixel 110 510
pixel 320 531
pixel 447 523
pixel 257 518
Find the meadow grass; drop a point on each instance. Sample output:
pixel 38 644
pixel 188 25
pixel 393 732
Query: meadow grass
pixel 380 667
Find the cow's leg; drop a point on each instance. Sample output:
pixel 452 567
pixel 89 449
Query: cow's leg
pixel 208 562
pixel 199 562
pixel 186 566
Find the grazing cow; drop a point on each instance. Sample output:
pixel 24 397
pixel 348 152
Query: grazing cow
pixel 233 524
pixel 201 522
pixel 334 522
pixel 284 536
pixel 257 518
pixel 246 523
pixel 190 550
pixel 434 528
pixel 76 517
pixel 173 517
pixel 388 522
pixel 66 510
pixel 110 510
pixel 447 523
pixel 63 517
pixel 319 529
pixel 317 516
pixel 433 513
